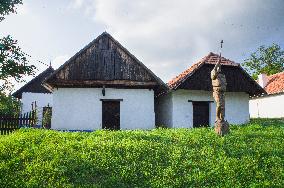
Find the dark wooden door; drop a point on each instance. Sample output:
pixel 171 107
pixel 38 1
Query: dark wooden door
pixel 111 115
pixel 200 114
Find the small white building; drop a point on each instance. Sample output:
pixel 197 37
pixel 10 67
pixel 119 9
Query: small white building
pixel 33 95
pixel 103 86
pixel 272 104
pixel 189 102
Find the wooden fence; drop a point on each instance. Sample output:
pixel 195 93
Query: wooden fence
pixel 9 123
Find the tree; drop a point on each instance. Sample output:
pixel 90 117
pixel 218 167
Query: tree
pixel 9 105
pixel 268 60
pixel 7 7
pixel 13 63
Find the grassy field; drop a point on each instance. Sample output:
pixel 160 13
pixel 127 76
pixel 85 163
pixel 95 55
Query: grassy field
pixel 251 156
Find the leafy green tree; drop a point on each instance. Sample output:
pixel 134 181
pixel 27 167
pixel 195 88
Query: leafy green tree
pixel 7 7
pixel 13 63
pixel 9 105
pixel 268 60
pixel 13 67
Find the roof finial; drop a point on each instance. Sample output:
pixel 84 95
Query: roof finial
pixel 50 64
pixel 221 47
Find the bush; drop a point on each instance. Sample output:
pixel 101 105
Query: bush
pixel 9 105
pixel 251 156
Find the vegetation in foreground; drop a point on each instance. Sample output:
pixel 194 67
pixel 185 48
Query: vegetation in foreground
pixel 251 156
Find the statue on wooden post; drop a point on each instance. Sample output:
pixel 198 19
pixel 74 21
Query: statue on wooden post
pixel 219 84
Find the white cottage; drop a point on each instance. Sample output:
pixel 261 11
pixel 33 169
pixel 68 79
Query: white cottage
pixel 104 86
pixel 272 104
pixel 34 95
pixel 189 102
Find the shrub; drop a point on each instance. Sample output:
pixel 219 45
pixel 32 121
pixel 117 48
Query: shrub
pixel 46 119
pixel 250 156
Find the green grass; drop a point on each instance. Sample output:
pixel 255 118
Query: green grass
pixel 251 156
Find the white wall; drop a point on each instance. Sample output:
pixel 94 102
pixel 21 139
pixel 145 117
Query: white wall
pixel 267 107
pixel 183 110
pixel 164 110
pixel 42 100
pixel 81 108
pixel 237 107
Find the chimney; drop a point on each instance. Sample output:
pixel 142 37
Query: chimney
pixel 262 80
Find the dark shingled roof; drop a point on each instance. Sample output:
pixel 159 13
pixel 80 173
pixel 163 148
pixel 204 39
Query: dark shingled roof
pixel 35 85
pixel 105 62
pixel 197 77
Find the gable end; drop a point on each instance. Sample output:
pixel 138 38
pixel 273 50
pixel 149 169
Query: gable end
pixel 104 62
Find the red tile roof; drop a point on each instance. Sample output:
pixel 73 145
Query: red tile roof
pixel 275 83
pixel 211 58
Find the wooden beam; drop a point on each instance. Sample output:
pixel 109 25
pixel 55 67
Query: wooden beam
pixel 111 100
pixel 102 82
pixel 201 101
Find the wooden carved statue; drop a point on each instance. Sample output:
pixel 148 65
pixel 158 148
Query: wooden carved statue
pixel 219 88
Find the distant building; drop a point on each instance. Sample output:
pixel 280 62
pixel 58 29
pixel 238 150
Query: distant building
pixel 189 101
pixel 34 95
pixel 272 104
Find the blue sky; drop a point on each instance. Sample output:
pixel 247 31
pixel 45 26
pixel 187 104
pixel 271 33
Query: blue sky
pixel 166 35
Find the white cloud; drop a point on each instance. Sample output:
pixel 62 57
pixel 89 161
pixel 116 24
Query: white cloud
pixel 175 33
pixel 76 4
pixel 59 60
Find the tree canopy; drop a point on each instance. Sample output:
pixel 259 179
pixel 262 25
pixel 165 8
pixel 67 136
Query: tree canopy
pixel 13 63
pixel 268 60
pixel 7 7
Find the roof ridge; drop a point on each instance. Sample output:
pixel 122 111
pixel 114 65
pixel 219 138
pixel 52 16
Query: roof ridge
pixel 158 79
pixel 77 54
pixel 120 46
pixel 227 59
pixel 202 60
pixel 198 64
pixel 36 77
pixel 210 60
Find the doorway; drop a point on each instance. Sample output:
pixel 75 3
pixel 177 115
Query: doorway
pixel 111 115
pixel 200 114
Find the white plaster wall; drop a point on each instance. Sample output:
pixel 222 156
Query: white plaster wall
pixel 237 107
pixel 164 110
pixel 183 110
pixel 42 100
pixel 81 108
pixel 267 107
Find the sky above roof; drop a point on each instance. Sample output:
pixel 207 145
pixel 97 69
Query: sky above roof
pixel 166 35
